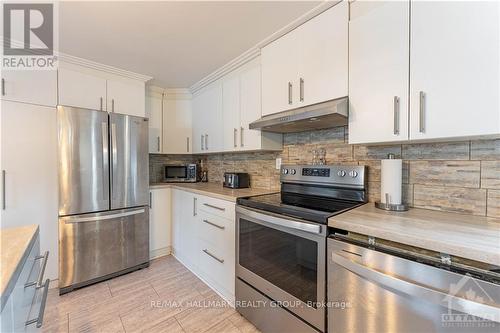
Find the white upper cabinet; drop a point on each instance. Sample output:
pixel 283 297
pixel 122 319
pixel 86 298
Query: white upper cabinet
pixel 323 63
pixel 378 71
pixel 279 71
pixel 455 73
pixel 81 89
pixel 126 96
pixel 207 119
pixel 241 105
pixel 309 64
pixel 30 86
pixel 90 88
pixel 155 114
pixel 177 134
pixel 231 111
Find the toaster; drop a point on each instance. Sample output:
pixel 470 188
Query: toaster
pixel 236 180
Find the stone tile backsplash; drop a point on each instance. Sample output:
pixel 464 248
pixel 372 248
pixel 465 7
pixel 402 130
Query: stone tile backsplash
pixel 456 176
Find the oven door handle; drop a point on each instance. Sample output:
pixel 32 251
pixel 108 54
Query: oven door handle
pixel 412 289
pixel 289 224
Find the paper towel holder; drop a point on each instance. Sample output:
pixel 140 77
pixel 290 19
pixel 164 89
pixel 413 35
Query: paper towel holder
pixel 391 207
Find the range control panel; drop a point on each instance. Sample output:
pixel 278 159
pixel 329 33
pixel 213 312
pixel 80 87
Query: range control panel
pixel 342 175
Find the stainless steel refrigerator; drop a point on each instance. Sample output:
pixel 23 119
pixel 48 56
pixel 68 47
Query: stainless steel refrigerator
pixel 103 195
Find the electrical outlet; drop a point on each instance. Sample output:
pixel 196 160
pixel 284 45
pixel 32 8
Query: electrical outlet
pixel 278 163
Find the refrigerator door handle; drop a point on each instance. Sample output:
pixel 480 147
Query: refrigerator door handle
pixel 79 219
pixel 114 157
pixel 105 156
pixel 415 290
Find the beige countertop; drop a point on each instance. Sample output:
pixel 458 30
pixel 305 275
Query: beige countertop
pixel 214 190
pixel 14 247
pixel 472 237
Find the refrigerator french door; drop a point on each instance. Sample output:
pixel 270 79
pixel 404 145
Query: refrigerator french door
pixel 103 195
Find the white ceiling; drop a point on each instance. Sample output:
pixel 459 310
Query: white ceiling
pixel 177 43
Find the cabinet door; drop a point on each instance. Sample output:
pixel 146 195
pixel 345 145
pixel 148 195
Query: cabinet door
pixel 126 96
pixel 177 137
pixel 378 71
pixel 279 70
pixel 199 122
pixel 30 86
pixel 323 63
pixel 250 106
pixel 185 234
pixel 455 73
pixel 29 160
pixel 154 113
pixel 210 118
pixel 231 111
pixel 160 225
pixel 80 89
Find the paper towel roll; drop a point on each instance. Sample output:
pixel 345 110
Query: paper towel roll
pixel 391 180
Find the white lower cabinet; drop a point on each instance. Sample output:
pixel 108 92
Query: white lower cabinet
pixel 160 222
pixel 26 302
pixel 204 239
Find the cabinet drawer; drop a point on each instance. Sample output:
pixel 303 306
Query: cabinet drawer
pixel 217 207
pixel 17 309
pixel 216 230
pixel 217 266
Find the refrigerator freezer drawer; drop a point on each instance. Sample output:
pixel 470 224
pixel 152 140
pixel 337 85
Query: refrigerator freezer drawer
pixel 96 245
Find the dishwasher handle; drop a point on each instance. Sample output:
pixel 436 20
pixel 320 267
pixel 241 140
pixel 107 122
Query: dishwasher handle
pixel 416 290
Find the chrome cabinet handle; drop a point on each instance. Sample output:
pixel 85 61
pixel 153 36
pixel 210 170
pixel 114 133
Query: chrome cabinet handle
pixel 214 224
pixel 39 320
pixel 213 256
pixel 422 113
pixel 202 139
pixel 104 130
pixel 150 199
pixel 4 199
pixel 214 207
pixel 3 87
pixel 241 137
pixel 113 105
pixel 100 107
pixel 235 132
pixel 195 204
pixel 206 141
pixel 158 143
pixel 39 280
pixel 396 115
pixel 187 144
pixel 290 93
pixel 301 89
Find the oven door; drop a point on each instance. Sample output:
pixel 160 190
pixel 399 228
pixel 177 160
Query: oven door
pixel 283 258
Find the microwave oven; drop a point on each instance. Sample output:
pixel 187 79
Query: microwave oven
pixel 182 173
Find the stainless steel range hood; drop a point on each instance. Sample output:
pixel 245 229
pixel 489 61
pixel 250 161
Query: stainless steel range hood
pixel 317 116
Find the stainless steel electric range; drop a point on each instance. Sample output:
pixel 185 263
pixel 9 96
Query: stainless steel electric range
pixel 281 246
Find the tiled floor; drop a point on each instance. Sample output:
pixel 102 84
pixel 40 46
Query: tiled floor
pixel 166 297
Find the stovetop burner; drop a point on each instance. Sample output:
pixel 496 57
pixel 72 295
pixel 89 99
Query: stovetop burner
pixel 313 193
pixel 273 203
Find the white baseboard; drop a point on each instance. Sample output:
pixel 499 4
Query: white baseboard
pixel 164 251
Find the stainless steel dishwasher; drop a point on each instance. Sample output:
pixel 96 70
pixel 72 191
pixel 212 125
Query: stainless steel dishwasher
pixel 389 287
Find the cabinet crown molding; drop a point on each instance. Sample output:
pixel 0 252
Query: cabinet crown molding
pixel 101 67
pixel 254 52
